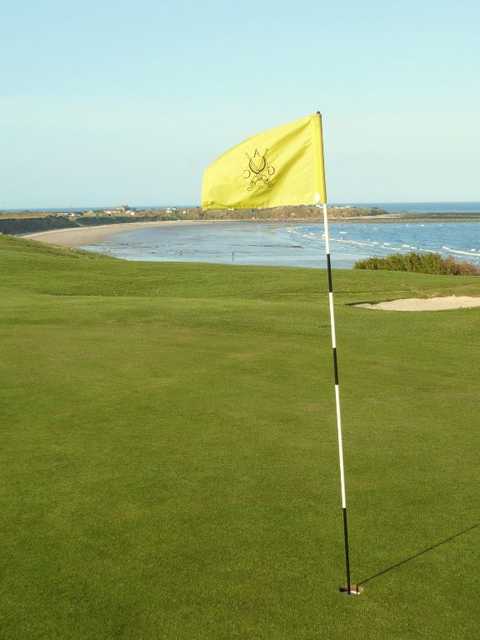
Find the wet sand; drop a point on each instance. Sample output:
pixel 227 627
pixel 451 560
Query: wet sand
pixel 80 236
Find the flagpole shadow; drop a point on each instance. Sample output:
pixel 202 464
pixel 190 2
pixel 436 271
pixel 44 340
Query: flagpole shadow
pixel 418 554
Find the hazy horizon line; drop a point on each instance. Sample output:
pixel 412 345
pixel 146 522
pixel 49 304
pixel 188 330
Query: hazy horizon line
pixel 166 206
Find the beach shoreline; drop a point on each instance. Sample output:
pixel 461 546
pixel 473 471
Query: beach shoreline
pixel 81 236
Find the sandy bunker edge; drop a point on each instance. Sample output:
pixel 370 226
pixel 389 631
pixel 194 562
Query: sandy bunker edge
pixel 444 303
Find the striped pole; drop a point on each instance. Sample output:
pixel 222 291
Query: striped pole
pixel 337 400
pixel 343 492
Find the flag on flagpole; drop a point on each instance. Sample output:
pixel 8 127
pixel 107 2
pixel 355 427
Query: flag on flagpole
pixel 283 166
pixel 278 167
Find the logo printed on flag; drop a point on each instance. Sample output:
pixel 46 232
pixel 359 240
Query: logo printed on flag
pixel 258 172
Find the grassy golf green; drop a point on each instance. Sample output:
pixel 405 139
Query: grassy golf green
pixel 169 454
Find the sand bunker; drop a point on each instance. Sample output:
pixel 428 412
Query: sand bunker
pixel 425 304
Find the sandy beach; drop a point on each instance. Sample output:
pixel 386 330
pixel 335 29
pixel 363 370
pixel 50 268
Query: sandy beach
pixel 80 236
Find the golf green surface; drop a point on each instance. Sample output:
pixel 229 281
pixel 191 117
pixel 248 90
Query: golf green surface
pixel 169 453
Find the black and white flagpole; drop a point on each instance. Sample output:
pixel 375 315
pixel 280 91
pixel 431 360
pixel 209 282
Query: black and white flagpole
pixel 349 588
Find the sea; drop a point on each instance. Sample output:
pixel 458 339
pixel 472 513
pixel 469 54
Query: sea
pixel 301 244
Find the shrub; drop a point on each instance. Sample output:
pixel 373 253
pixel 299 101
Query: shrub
pixel 420 263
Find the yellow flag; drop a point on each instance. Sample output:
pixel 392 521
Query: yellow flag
pixel 279 167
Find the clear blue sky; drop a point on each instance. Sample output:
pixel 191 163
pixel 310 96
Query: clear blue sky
pixel 104 103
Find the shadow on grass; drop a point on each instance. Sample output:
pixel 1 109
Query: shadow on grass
pixel 420 553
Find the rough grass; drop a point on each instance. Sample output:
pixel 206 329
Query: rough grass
pixel 432 263
pixel 168 453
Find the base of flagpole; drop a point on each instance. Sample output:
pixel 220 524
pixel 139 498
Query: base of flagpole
pixel 355 590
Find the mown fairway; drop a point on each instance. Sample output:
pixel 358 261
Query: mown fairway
pixel 169 461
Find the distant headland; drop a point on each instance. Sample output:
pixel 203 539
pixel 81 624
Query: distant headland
pixel 33 221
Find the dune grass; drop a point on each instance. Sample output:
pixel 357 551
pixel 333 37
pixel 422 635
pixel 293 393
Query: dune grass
pixel 169 462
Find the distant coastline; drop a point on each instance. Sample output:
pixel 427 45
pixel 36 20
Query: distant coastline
pixel 424 207
pixel 42 222
pixel 82 236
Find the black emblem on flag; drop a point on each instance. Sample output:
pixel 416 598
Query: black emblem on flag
pixel 259 171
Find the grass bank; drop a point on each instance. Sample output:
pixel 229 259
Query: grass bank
pixel 168 452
